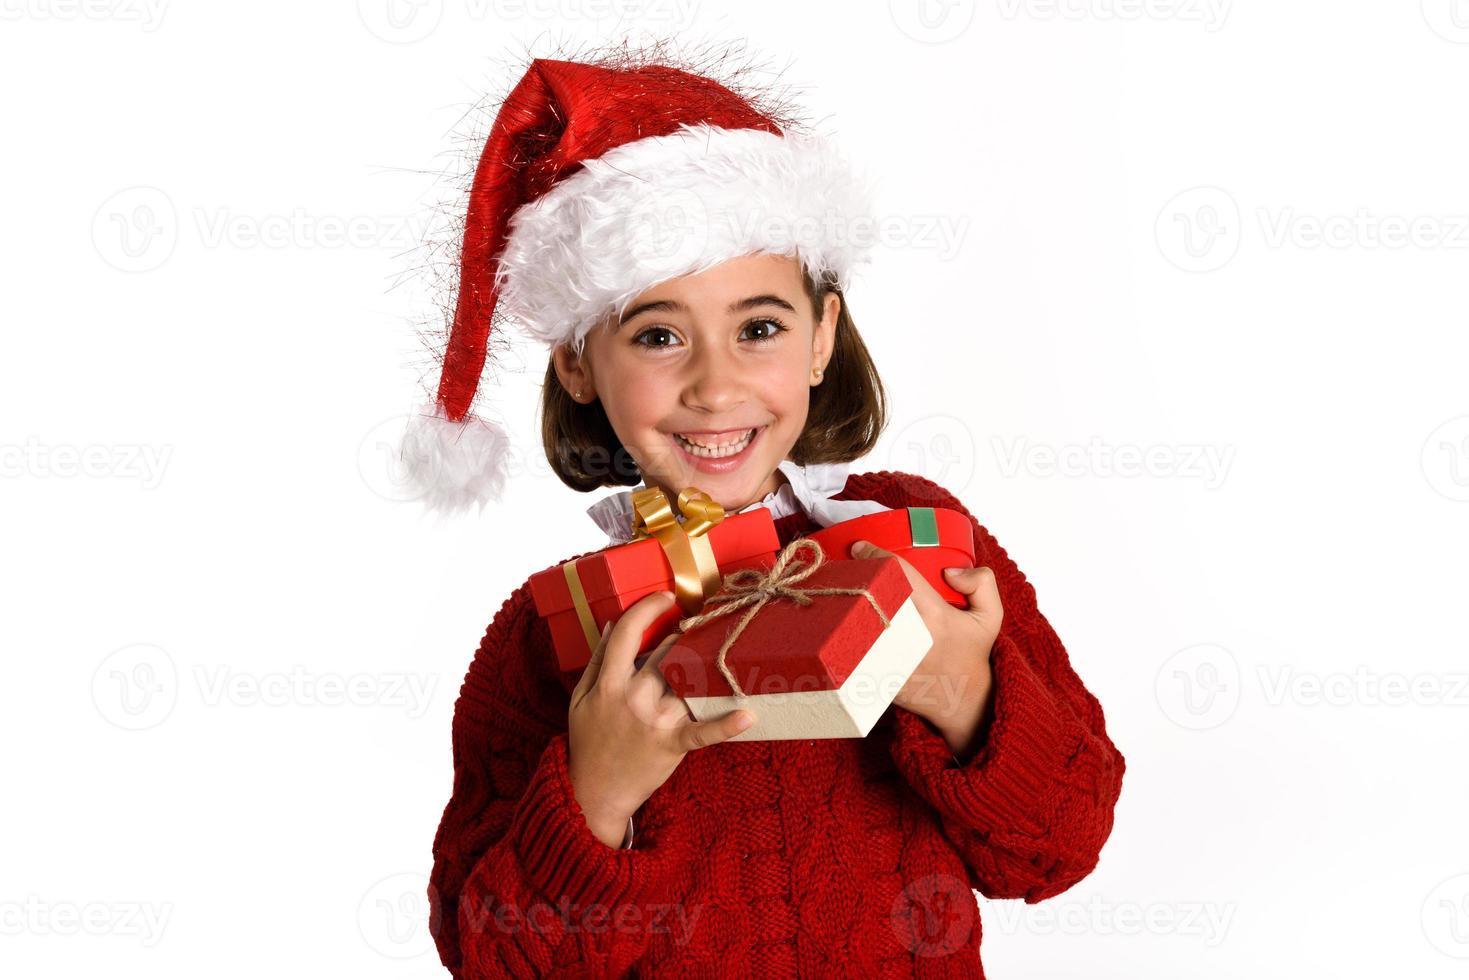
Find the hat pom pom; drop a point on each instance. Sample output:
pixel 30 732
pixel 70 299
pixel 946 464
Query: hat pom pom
pixel 455 465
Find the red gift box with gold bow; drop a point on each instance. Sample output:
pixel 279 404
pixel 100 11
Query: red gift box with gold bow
pixel 689 559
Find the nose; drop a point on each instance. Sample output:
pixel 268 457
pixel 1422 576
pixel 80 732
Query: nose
pixel 713 384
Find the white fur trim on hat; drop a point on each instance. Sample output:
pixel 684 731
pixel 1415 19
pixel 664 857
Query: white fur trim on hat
pixel 667 206
pixel 455 465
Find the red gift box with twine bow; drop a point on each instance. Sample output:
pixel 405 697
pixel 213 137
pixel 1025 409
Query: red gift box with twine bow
pixel 577 598
pixel 814 647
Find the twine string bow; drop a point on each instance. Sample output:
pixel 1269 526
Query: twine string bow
pixel 751 589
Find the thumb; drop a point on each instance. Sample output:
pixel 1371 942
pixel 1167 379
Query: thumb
pixel 702 734
pixel 979 588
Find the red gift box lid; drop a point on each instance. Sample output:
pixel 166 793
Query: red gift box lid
pixel 814 647
pixel 639 567
pixel 926 527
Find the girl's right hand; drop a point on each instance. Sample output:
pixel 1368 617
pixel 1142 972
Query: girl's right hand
pixel 628 731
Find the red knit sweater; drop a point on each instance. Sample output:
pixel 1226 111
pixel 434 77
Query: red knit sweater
pixel 852 857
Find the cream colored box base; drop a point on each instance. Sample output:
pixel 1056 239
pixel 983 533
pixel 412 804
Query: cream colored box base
pixel 847 712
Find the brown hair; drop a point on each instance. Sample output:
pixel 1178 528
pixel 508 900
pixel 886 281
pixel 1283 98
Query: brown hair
pixel 848 412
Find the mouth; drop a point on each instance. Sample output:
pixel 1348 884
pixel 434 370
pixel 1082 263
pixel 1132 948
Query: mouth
pixel 717 452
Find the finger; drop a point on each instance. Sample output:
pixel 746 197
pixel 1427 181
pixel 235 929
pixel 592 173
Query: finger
pixel 626 637
pixel 925 597
pixel 594 665
pixel 979 588
pixel 702 734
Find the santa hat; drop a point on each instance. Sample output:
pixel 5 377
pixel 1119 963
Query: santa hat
pixel 597 182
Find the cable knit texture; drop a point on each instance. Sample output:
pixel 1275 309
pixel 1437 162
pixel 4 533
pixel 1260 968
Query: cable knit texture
pixel 828 857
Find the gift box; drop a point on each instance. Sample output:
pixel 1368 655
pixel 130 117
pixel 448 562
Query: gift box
pixel 814 647
pixel 930 539
pixel 577 598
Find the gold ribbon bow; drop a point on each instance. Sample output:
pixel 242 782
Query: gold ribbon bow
pixel 750 587
pixel 690 555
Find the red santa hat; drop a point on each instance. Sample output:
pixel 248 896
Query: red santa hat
pixel 597 182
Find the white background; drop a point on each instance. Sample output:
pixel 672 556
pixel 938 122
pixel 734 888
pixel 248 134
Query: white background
pixel 1229 235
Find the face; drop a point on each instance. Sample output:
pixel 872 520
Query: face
pixel 707 378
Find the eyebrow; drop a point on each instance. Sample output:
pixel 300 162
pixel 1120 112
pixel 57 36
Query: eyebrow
pixel 674 306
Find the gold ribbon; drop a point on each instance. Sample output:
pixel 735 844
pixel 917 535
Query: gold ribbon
pixel 690 555
pixel 750 587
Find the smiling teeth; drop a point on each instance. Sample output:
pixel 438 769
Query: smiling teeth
pixel 715 452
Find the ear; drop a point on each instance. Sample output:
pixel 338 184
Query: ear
pixel 574 372
pixel 823 340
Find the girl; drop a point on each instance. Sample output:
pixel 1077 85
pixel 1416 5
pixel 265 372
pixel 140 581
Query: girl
pixel 595 829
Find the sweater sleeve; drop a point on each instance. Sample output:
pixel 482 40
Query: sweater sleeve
pixel 1031 809
pixel 521 886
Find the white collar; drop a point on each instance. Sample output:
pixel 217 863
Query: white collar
pixel 809 490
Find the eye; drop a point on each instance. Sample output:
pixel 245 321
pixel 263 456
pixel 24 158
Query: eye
pixel 651 331
pixel 777 328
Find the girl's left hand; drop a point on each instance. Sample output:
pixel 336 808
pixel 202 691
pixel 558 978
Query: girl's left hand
pixel 951 686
